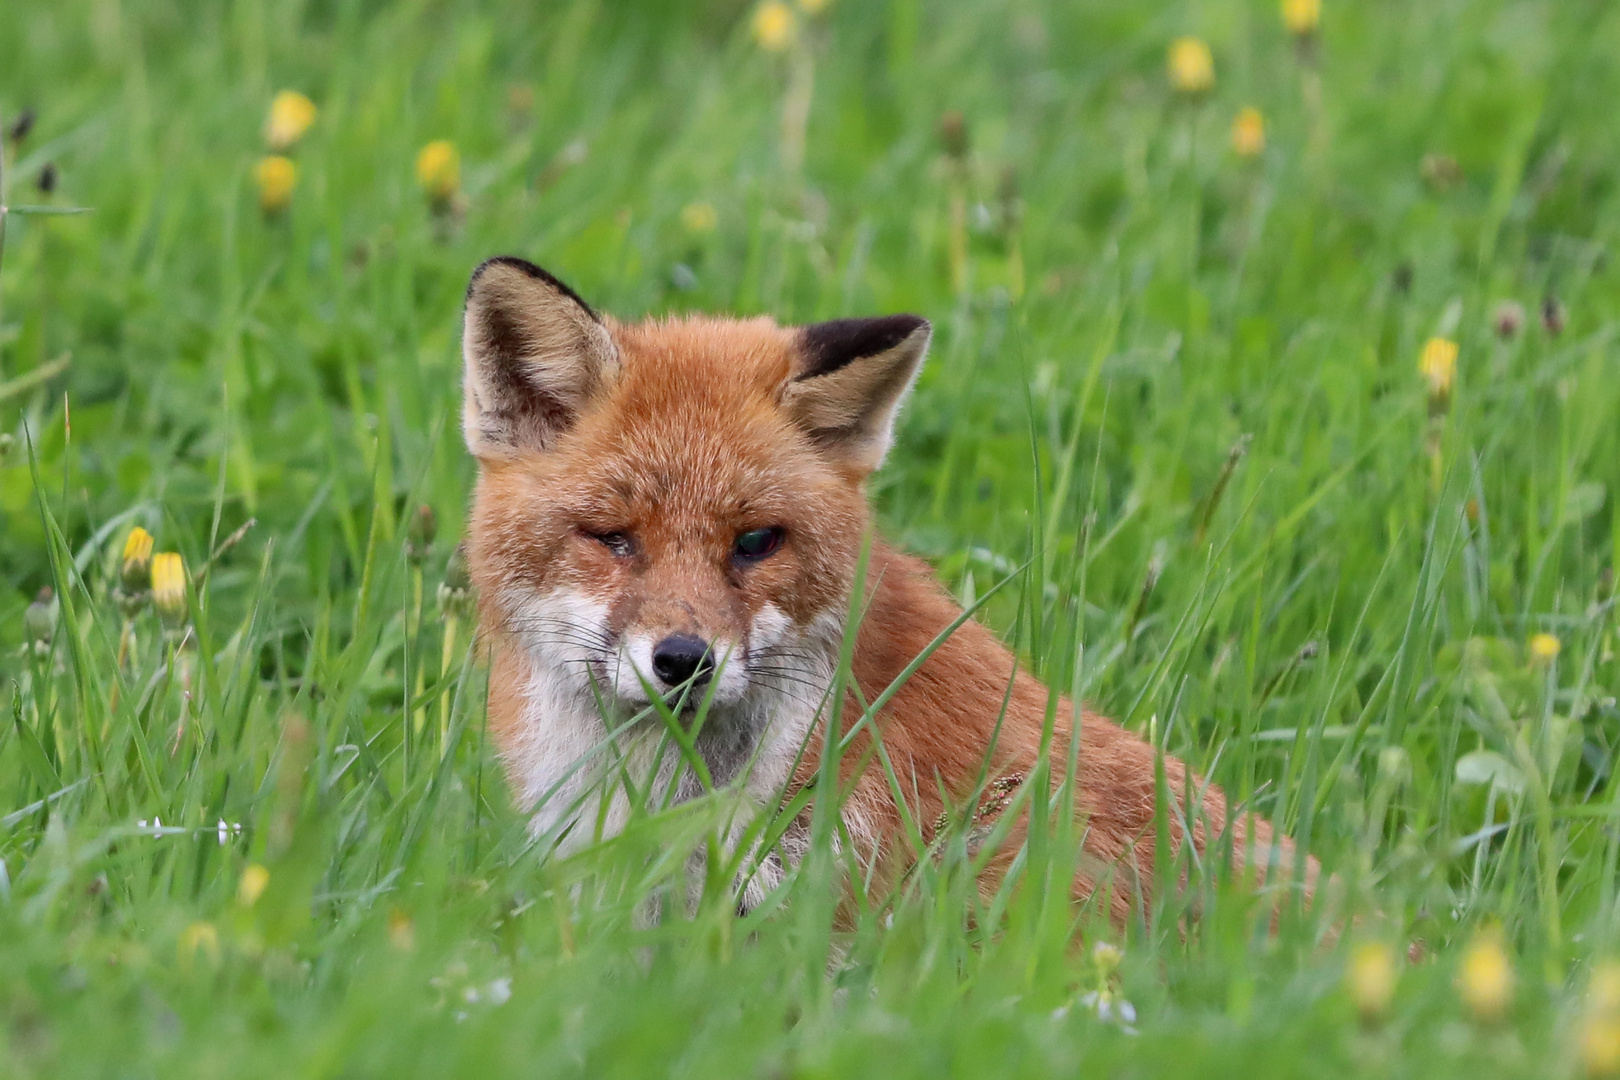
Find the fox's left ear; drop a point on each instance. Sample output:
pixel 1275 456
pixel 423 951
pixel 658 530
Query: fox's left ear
pixel 849 380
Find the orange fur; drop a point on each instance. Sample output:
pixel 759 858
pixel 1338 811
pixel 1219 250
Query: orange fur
pixel 678 436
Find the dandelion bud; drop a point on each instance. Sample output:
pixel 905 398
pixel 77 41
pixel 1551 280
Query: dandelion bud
pixel 424 527
pixel 276 177
pixel 1192 66
pixel 438 170
pixel 456 592
pixel 1485 980
pixel 135 571
pixel 1107 957
pixel 1249 133
pixel 1438 364
pixel 1552 316
pixel 20 127
pixel 1302 17
pixel 1544 649
pixel 699 217
pixel 254 881
pixel 1508 319
pixel 39 621
pixel 46 180
pixel 774 26
pixel 169 588
pixel 1370 978
pixel 291 114
pixel 1440 171
pixel 953 135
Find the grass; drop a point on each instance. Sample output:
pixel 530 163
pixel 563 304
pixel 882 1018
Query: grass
pixel 1331 617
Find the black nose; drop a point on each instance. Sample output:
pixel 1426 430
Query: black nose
pixel 680 658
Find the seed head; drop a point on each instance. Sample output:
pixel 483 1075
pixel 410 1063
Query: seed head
pixel 1544 649
pixel 291 114
pixel 1370 978
pixel 1485 980
pixel 774 26
pixel 276 176
pixel 1302 17
pixel 1192 66
pixel 438 170
pixel 169 588
pixel 1249 132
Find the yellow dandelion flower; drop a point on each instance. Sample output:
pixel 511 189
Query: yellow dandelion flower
pixel 1438 363
pixel 699 217
pixel 1485 979
pixel 401 931
pixel 254 881
pixel 136 569
pixel 438 170
pixel 1192 66
pixel 1600 1046
pixel 774 26
pixel 199 937
pixel 291 114
pixel 1544 648
pixel 1370 978
pixel 276 176
pixel 1302 16
pixel 1603 993
pixel 169 587
pixel 1249 132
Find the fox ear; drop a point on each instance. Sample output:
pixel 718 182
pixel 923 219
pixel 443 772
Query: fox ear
pixel 849 381
pixel 535 355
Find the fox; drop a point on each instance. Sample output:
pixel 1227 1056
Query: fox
pixel 676 509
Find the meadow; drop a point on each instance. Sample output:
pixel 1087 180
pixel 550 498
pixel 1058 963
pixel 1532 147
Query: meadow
pixel 1288 437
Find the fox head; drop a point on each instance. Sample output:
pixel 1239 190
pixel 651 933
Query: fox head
pixel 672 507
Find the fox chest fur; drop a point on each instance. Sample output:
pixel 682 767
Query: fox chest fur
pixel 667 528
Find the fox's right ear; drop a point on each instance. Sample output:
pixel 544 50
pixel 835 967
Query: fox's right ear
pixel 535 355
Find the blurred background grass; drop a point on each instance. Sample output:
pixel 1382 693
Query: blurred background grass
pixel 1182 378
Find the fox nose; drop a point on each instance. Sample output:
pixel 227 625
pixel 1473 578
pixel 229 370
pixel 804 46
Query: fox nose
pixel 680 658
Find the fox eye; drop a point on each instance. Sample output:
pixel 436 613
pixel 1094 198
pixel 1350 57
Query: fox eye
pixel 619 543
pixel 755 544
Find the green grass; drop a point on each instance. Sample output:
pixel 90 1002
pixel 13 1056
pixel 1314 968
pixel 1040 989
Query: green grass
pixel 1336 628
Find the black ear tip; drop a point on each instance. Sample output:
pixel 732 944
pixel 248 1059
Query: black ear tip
pixel 828 346
pixel 528 269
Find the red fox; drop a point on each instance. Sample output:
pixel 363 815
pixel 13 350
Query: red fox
pixel 677 507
